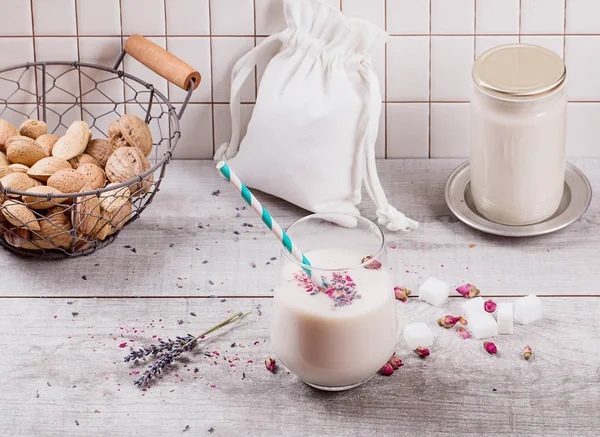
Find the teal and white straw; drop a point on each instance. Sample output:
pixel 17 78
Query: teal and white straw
pixel 267 219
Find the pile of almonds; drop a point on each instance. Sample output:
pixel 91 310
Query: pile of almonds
pixel 46 166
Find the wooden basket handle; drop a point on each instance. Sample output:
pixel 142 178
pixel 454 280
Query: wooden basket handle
pixel 162 62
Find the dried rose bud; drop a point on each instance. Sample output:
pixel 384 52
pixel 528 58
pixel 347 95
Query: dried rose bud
pixel 490 347
pixel 270 364
pixel 395 362
pixel 422 351
pixel 402 293
pixel 468 290
pixel 387 370
pixel 489 305
pixel 527 353
pixel 373 265
pixel 462 321
pixel 463 333
pixel 447 321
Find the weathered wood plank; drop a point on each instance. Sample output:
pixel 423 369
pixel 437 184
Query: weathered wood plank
pixel 170 246
pixel 452 392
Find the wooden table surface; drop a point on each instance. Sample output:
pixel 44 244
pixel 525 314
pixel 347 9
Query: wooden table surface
pixel 181 268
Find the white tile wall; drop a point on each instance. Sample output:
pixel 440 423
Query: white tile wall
pixel 425 80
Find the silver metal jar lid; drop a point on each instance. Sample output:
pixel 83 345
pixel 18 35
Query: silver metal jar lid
pixel 519 72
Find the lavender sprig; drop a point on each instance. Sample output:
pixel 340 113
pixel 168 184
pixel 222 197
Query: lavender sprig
pixel 169 350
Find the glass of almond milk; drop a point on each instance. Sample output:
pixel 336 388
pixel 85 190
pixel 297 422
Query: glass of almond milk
pixel 337 334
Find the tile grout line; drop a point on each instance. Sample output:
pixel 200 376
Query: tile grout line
pixel 212 78
pixel 520 18
pixel 430 74
pixel 474 30
pixel 78 59
pixel 265 36
pixel 565 31
pixel 122 48
pixel 167 49
pixel 35 76
pixel 385 84
pixel 256 65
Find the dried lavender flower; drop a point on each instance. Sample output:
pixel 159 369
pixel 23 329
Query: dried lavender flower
pixel 167 351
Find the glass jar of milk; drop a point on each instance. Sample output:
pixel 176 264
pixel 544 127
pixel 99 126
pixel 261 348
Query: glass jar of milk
pixel 337 334
pixel 518 133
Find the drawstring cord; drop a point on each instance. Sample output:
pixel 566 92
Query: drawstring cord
pixel 387 215
pixel 241 71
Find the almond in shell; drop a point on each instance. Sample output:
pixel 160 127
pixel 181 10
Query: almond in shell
pixel 18 237
pixel 93 175
pixel 67 181
pixel 32 128
pixel 84 158
pixel 19 215
pixel 86 213
pixel 24 150
pixel 18 182
pixel 4 162
pixel 35 202
pixel 99 149
pixel 19 168
pixel 74 142
pixel 7 130
pixel 54 232
pixel 127 163
pixel 46 167
pixel 4 170
pixel 130 131
pixel 47 141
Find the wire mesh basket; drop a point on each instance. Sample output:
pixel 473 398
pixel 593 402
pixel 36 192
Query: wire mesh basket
pixel 44 223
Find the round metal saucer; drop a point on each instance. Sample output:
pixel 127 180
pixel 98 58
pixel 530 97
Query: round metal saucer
pixel 575 202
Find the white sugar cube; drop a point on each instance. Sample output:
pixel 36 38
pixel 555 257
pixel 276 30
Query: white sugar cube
pixel 472 307
pixel 482 325
pixel 434 292
pixel 504 317
pixel 418 334
pixel 528 309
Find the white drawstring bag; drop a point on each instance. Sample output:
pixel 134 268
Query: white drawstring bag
pixel 311 138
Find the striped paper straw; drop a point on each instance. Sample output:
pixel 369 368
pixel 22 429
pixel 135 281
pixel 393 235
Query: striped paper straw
pixel 267 219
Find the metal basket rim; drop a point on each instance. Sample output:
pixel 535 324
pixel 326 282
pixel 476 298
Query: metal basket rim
pixel 167 154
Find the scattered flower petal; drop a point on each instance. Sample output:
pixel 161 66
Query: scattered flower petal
pixel 387 370
pixel 422 351
pixel 463 333
pixel 447 321
pixel 490 347
pixel 402 293
pixel 270 364
pixel 395 362
pixel 373 265
pixel 122 345
pixel 527 353
pixel 468 291
pixel 489 306
pixel 462 321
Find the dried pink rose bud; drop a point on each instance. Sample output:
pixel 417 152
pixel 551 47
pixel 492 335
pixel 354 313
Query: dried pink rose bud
pixel 395 362
pixel 402 293
pixel 490 347
pixel 387 370
pixel 463 333
pixel 270 364
pixel 468 290
pixel 422 351
pixel 447 321
pixel 527 353
pixel 462 321
pixel 373 265
pixel 489 305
